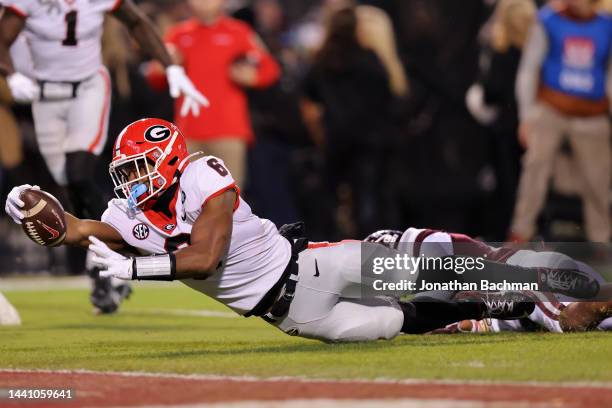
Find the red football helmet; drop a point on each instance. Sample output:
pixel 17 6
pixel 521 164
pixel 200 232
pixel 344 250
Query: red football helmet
pixel 148 157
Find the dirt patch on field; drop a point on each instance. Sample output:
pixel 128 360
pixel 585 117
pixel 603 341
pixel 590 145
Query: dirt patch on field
pixel 136 390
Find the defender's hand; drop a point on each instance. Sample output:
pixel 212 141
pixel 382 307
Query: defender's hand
pixel 112 263
pixel 23 89
pixel 14 203
pixel 179 85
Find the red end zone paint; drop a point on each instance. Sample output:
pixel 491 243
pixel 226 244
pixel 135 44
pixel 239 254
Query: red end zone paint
pixel 117 389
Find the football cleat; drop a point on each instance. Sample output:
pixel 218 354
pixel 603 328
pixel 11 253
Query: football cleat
pixel 569 282
pixel 502 305
pixel 388 238
pixel 105 297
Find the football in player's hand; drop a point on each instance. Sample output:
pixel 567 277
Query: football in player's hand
pixel 44 221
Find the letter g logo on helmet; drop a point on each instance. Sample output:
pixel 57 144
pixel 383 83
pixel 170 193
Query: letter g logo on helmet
pixel 157 133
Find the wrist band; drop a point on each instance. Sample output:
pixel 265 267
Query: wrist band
pixel 156 267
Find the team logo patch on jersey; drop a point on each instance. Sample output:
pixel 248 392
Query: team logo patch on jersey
pixel 141 231
pixel 169 227
pixel 157 133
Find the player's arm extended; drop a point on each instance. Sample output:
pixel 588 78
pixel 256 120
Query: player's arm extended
pixel 78 232
pixel 11 25
pixel 143 31
pixel 210 239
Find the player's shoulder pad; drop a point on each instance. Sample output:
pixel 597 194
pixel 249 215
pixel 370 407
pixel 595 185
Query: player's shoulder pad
pixel 206 165
pixel 115 207
pixel 203 179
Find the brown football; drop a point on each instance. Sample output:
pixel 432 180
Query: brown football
pixel 44 221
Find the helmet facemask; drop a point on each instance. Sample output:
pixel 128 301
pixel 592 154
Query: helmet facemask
pixel 136 178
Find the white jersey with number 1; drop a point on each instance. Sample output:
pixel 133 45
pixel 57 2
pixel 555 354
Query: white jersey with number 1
pixel 257 254
pixel 64 35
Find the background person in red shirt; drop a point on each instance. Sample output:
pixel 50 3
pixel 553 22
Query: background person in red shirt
pixel 223 56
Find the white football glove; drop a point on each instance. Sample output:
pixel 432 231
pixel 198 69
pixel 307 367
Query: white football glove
pixel 113 264
pixel 14 203
pixel 23 89
pixel 179 85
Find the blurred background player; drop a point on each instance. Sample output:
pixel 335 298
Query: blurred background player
pixel 492 101
pixel 348 92
pixel 71 93
pixel 563 88
pixel 223 56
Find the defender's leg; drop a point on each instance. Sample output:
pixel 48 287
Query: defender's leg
pixel 87 121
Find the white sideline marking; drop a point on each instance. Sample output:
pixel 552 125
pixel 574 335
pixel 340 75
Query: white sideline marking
pixel 407 381
pixel 46 283
pixel 182 312
pixel 362 403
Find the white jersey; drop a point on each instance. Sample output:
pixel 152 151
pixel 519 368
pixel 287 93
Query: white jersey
pixel 257 254
pixel 22 57
pixel 64 36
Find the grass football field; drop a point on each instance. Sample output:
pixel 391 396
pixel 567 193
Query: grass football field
pixel 171 328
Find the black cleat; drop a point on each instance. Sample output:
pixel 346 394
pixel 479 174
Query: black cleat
pixel 105 297
pixel 502 305
pixel 569 282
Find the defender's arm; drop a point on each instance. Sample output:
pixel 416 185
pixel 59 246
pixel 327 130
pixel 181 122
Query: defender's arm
pixel 143 31
pixel 11 25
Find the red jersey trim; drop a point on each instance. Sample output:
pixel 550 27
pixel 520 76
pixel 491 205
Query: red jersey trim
pixel 107 96
pixel 160 221
pixel 232 186
pixel 325 244
pixel 17 11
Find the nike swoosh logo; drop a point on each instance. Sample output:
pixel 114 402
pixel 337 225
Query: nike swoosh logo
pixel 316 269
pixel 54 233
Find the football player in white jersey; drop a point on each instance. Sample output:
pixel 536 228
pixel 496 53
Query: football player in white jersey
pixel 70 90
pixel 185 215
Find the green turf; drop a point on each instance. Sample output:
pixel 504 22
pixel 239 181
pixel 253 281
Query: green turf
pixel 59 331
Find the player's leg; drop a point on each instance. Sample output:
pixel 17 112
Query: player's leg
pixel 323 316
pixel 606 324
pixel 590 140
pixel 344 320
pixel 51 132
pixel 328 302
pixel 544 141
pixel 546 315
pixel 87 121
